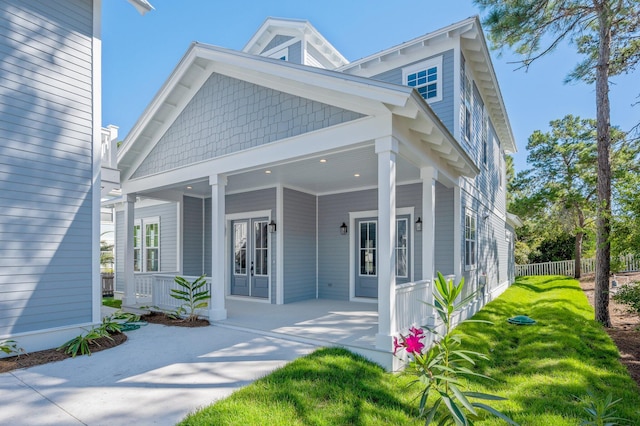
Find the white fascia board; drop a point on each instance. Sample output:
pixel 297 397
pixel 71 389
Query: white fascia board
pixel 441 33
pixel 142 6
pixel 442 129
pixel 293 26
pixel 337 137
pixel 357 94
pixel 510 139
pixel 319 78
pixel 157 101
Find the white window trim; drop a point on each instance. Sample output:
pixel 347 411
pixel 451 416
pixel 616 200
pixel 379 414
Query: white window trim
pixel 484 137
pixel 474 216
pixel 143 246
pixel 429 63
pixel 353 216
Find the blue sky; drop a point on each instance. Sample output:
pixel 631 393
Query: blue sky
pixel 139 53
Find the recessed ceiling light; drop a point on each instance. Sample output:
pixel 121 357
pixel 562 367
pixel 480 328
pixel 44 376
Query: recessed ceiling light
pixel 268 172
pixel 324 160
pixel 189 187
pixel 357 175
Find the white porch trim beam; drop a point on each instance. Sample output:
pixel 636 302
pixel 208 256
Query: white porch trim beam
pixel 129 298
pixel 331 138
pixel 217 308
pixel 386 149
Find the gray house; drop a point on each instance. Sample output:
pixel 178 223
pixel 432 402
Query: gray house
pixel 285 173
pixel 50 168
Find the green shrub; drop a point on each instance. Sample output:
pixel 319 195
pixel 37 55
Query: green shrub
pixel 11 347
pixel 629 294
pixel 81 343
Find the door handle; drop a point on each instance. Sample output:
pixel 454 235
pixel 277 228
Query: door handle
pixel 251 268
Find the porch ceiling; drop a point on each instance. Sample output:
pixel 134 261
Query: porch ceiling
pixel 337 173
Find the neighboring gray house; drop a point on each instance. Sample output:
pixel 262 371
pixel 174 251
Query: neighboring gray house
pixel 50 154
pixel 286 173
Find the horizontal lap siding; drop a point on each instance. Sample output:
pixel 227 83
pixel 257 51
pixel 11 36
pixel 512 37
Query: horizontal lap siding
pixel 193 236
pixel 295 53
pixel 167 212
pixel 299 246
pixel 443 108
pixel 46 150
pixel 333 248
pixel 444 217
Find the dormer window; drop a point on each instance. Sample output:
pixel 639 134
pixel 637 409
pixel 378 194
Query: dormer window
pixel 282 54
pixel 426 77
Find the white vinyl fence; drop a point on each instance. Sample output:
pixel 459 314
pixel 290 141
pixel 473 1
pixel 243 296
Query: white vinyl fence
pixel 567 267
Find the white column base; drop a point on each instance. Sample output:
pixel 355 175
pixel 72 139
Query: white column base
pixel 217 314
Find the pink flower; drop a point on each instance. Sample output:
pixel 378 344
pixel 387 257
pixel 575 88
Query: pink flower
pixel 397 345
pixel 413 344
pixel 417 332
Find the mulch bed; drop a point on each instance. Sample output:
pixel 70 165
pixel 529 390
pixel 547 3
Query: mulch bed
pixel 163 319
pixel 625 326
pixel 52 355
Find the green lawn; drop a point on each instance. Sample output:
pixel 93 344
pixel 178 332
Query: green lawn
pixel 541 369
pixel 111 302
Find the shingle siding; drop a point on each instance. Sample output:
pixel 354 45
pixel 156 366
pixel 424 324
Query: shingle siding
pixel 46 164
pixel 295 53
pixel 229 115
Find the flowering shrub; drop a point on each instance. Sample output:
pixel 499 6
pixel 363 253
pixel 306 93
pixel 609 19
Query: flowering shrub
pixel 440 367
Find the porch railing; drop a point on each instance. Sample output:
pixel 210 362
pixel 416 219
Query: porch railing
pixel 144 284
pixel 161 293
pixel 410 307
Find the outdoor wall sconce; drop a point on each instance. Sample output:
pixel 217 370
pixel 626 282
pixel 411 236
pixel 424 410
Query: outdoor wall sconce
pixel 272 227
pixel 343 229
pixel 418 225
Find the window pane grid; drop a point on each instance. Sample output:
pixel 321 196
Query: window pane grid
pixel 260 230
pixel 368 249
pixel 470 253
pixel 426 81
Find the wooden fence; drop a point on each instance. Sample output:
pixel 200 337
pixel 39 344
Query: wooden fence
pixel 567 267
pixel 107 284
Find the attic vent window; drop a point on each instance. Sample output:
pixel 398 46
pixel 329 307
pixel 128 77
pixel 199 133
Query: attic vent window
pixel 426 77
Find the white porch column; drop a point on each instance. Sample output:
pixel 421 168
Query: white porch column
pixel 217 310
pixel 129 298
pixel 386 149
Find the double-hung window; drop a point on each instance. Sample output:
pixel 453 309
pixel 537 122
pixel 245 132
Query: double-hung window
pixel 467 100
pixel 146 245
pixel 426 78
pixel 470 240
pixel 485 137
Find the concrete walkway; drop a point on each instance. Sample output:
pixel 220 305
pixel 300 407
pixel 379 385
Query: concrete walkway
pixel 159 375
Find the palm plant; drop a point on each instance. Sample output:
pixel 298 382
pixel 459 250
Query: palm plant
pixel 194 294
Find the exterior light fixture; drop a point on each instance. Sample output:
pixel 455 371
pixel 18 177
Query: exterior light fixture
pixel 418 225
pixel 272 227
pixel 189 187
pixel 268 172
pixel 343 229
